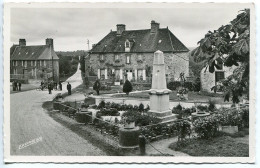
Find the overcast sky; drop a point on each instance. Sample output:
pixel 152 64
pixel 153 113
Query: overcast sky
pixel 71 28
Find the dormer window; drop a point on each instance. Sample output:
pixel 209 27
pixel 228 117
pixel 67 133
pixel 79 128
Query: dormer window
pixel 127 46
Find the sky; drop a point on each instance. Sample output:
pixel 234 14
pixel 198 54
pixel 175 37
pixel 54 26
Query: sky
pixel 71 28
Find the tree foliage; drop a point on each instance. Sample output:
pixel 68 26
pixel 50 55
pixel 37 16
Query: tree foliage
pixel 230 43
pixel 127 87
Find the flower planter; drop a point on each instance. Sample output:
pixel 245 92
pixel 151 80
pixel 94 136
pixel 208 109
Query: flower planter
pixel 229 129
pixel 129 125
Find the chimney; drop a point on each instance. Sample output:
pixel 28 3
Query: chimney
pixel 120 28
pixel 22 42
pixel 49 42
pixel 154 26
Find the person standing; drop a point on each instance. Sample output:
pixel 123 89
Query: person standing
pixel 49 88
pixel 97 86
pixel 69 88
pixel 19 85
pixel 60 85
pixel 42 85
pixel 15 86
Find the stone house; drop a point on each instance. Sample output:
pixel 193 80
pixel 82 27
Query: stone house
pixel 37 62
pixel 128 54
pixel 208 80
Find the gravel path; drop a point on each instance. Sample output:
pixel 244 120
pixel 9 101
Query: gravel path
pixel 30 121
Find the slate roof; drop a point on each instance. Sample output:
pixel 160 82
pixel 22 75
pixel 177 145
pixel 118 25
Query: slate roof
pixel 144 41
pixel 40 52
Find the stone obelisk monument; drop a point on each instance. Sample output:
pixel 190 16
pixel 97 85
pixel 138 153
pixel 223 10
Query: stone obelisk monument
pixel 159 94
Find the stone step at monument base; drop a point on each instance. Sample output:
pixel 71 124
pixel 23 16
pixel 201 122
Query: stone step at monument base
pixel 164 116
pixel 168 119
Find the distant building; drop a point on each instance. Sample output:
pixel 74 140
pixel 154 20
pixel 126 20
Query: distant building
pixel 208 79
pixel 34 62
pixel 128 54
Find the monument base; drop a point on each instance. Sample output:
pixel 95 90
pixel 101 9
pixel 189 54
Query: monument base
pixel 164 116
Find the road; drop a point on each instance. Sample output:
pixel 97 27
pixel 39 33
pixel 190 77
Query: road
pixel 30 121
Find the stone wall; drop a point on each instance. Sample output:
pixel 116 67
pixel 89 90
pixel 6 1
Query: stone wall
pixel 174 64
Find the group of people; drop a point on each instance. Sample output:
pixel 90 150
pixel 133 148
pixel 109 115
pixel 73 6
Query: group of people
pixel 17 86
pixel 54 86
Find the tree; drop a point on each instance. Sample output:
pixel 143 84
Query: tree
pixel 231 44
pixel 97 86
pixel 127 87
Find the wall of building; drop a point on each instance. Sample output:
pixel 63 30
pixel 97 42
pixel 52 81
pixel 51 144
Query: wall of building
pixel 208 79
pixel 34 69
pixel 174 64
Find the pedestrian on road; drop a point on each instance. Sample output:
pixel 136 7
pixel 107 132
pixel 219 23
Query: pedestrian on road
pixel 49 87
pixel 60 85
pixel 19 85
pixel 69 88
pixel 15 86
pixel 42 85
pixel 97 86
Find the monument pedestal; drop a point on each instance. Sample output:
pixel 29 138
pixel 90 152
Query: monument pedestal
pixel 159 105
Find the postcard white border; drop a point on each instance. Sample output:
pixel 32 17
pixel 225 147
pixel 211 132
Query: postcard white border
pixel 124 159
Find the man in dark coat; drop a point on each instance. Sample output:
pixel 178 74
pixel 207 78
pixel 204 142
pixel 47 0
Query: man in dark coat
pixel 49 87
pixel 15 86
pixel 19 85
pixel 60 85
pixel 69 88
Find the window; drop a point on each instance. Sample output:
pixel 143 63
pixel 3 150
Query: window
pixel 35 63
pixel 44 63
pixel 102 57
pixel 128 59
pixel 16 63
pixel 31 63
pixel 139 58
pixel 140 74
pixel 219 76
pixel 25 63
pixel 116 57
pixel 102 73
pixel 117 74
pixel 13 63
pixel 127 44
pixel 22 63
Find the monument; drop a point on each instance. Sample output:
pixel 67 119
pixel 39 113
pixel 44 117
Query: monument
pixel 159 94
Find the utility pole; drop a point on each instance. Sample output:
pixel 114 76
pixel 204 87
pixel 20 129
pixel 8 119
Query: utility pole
pixel 88 43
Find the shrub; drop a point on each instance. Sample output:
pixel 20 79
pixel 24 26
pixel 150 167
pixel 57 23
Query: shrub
pixel 245 117
pixel 141 107
pixel 140 119
pixel 102 104
pixel 173 85
pixel 127 88
pixel 202 108
pixel 147 108
pixel 206 127
pixel 189 86
pixel 212 105
pixel 135 108
pixel 184 129
pixel 178 107
pixel 230 118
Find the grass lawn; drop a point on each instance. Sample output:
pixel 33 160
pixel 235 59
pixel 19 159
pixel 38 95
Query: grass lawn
pixel 193 96
pixel 224 145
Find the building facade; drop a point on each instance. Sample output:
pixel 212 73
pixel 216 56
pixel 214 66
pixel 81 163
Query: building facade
pixel 128 54
pixel 34 62
pixel 208 80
